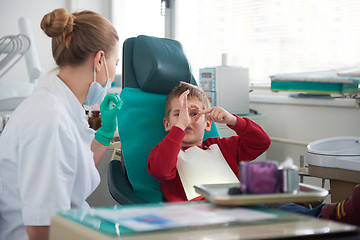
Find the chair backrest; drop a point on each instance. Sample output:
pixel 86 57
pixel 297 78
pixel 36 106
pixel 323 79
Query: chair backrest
pixel 152 67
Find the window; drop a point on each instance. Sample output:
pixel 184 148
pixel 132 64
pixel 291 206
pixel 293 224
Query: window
pixel 132 18
pixel 269 36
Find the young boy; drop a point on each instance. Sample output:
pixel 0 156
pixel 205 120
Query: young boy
pixel 187 116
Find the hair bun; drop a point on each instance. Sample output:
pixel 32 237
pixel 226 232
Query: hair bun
pixel 57 23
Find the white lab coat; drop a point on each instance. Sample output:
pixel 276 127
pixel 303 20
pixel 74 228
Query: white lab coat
pixel 46 164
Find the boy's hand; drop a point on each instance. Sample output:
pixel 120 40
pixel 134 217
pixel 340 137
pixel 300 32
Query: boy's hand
pixel 220 115
pixel 187 112
pixel 183 119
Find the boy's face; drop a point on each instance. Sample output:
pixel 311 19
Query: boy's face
pixel 194 132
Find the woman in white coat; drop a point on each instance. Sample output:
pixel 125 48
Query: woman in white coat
pixel 48 153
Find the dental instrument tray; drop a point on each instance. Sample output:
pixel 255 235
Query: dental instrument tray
pixel 219 195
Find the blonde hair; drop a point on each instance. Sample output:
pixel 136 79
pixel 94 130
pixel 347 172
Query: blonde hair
pixel 75 36
pixel 195 92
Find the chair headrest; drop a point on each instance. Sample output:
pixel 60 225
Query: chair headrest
pixel 160 64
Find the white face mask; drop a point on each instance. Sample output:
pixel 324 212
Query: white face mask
pixel 97 92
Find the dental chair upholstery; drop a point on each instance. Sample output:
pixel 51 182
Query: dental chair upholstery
pixel 152 67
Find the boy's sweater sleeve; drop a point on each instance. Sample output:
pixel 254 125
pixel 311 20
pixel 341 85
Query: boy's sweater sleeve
pixel 253 139
pixel 163 157
pixel 250 142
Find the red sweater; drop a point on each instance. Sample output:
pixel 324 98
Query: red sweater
pixel 250 142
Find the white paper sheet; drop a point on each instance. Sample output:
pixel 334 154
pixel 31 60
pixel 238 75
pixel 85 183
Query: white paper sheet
pixel 198 166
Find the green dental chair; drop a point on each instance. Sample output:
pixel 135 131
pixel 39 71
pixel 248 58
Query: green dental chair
pixel 152 67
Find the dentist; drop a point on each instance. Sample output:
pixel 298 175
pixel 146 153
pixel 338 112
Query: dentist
pixel 48 153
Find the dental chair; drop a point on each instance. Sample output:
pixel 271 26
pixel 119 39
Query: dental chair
pixel 152 67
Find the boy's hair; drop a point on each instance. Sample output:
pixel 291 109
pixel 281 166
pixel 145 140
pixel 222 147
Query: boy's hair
pixel 195 93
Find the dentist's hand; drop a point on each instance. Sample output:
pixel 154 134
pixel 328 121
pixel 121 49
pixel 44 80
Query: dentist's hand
pixel 220 115
pixel 108 110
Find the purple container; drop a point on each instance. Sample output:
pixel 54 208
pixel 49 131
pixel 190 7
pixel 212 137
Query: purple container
pixel 259 177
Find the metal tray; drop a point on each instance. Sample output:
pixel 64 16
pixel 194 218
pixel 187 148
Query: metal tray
pixel 218 194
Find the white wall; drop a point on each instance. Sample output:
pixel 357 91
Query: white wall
pixel 11 11
pixel 304 123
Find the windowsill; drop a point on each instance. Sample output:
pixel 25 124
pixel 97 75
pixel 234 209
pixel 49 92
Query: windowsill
pixel 265 95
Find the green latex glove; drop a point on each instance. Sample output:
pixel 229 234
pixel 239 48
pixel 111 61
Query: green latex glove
pixel 108 110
